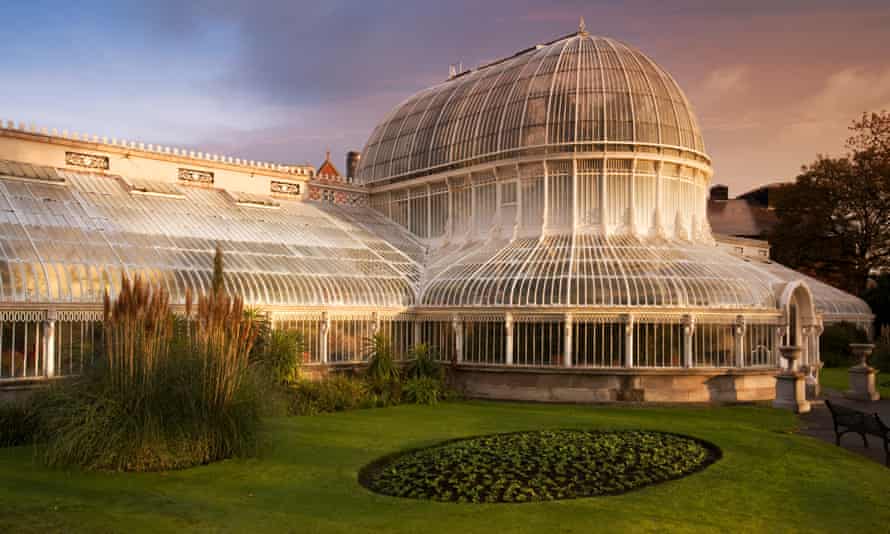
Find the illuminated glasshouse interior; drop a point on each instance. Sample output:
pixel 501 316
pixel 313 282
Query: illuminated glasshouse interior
pixel 539 220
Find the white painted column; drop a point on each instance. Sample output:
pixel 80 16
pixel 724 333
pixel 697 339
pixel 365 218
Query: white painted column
pixel 508 332
pixel 49 344
pixel 778 333
pixel 628 340
pixel 323 342
pixel 458 338
pixel 688 333
pixel 567 341
pixel 738 332
pixel 816 336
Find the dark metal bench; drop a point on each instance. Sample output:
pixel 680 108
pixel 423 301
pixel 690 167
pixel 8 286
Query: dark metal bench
pixel 850 420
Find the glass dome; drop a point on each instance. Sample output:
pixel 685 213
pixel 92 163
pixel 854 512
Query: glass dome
pixel 580 93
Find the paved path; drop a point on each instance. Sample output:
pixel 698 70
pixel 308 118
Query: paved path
pixel 818 424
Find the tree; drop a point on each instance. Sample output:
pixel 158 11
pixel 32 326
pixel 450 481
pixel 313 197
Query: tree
pixel 878 297
pixel 834 221
pixel 217 281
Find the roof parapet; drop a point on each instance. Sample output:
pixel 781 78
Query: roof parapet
pixel 149 148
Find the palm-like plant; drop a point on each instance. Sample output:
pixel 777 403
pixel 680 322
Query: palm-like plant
pixel 382 368
pixel 423 362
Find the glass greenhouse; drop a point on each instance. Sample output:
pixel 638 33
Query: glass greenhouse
pixel 544 211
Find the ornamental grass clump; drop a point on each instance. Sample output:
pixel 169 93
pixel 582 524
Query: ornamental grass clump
pixel 138 329
pixel 167 392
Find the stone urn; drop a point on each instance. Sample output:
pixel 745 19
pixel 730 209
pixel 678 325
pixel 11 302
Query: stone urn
pixel 862 376
pixel 861 351
pixel 790 384
pixel 791 353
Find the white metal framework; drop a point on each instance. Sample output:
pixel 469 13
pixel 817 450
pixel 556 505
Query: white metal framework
pixel 546 210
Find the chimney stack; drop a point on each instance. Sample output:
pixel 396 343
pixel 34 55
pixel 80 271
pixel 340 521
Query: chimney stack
pixel 352 159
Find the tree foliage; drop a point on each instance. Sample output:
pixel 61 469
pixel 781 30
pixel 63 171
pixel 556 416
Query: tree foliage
pixel 834 221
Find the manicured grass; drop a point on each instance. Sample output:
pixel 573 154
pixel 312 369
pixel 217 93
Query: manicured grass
pixel 838 379
pixel 769 479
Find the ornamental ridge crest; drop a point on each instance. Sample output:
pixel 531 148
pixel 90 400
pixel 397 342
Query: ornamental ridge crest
pixel 284 188
pixel 90 161
pixel 195 176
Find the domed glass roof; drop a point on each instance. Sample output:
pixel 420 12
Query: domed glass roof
pixel 565 96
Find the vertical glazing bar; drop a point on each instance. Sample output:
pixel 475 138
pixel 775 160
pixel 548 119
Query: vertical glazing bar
pixel 25 349
pixel 12 349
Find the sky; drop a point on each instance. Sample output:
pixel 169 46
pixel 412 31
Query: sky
pixel 773 83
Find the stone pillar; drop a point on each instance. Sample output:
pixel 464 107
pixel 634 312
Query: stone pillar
pixel 323 342
pixel 458 338
pixel 628 340
pixel 738 332
pixel 862 376
pixel 813 364
pixel 508 332
pixel 49 344
pixel 688 332
pixel 567 342
pixel 790 386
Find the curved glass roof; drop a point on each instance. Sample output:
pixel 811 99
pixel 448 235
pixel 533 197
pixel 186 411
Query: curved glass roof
pixel 67 237
pixel 69 243
pixel 596 271
pixel 832 302
pixel 564 96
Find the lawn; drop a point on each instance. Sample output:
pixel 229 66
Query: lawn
pixel 838 379
pixel 769 479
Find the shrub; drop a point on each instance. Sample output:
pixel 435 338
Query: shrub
pixel 423 390
pixel 18 424
pixel 834 344
pixel 382 367
pixel 423 364
pixel 282 355
pixel 166 393
pixel 383 372
pixel 334 393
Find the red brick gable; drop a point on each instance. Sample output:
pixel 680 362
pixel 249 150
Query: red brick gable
pixel 327 168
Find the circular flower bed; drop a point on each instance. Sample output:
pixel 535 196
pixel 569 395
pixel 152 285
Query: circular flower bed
pixel 538 466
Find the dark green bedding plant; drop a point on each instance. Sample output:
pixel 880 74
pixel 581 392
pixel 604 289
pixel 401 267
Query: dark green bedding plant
pixel 538 466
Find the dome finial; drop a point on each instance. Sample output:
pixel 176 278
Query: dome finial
pixel 582 28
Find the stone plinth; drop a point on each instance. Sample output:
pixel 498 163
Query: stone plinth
pixel 862 376
pixel 811 377
pixel 791 384
pixel 621 384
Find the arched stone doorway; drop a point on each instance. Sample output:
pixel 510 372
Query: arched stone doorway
pixel 802 328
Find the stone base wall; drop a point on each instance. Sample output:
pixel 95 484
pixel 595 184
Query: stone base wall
pixel 613 385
